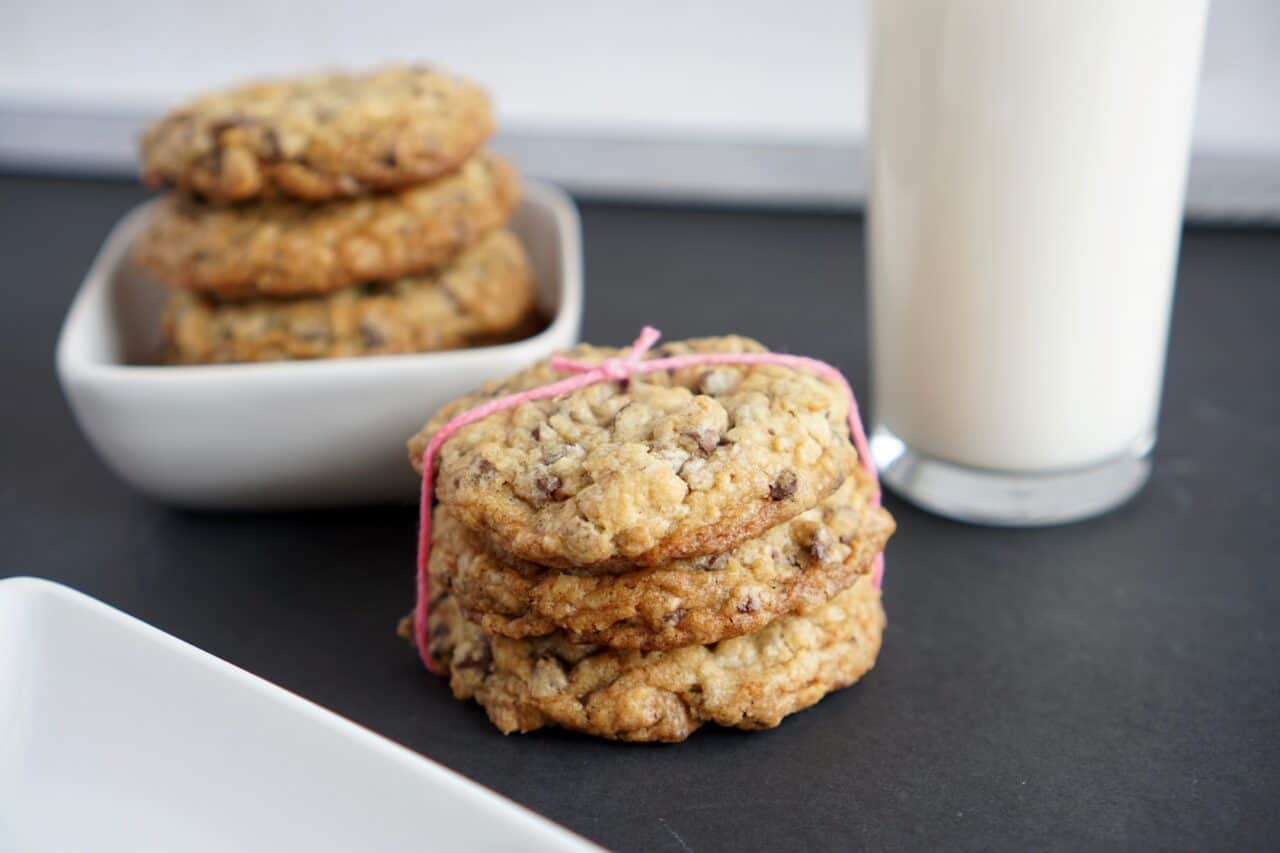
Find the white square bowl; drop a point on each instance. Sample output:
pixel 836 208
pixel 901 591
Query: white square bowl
pixel 115 736
pixel 287 434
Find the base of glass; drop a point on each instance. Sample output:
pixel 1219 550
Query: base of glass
pixel 1007 498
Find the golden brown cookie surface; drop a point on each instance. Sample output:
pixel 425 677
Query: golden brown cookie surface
pixel 749 682
pixel 793 568
pixel 485 292
pixel 283 248
pixel 664 466
pixel 319 137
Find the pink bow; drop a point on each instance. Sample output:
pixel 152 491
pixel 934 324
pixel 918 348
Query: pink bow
pixel 613 369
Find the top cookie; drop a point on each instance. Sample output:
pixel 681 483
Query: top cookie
pixel 664 466
pixel 319 137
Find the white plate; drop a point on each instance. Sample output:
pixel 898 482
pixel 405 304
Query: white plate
pixel 115 736
pixel 288 434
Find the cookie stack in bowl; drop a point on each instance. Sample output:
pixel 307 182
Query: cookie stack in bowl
pixel 335 215
pixel 639 557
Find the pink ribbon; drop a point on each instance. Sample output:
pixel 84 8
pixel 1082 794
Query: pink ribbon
pixel 612 370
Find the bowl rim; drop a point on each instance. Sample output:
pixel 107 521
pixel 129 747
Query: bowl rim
pixel 73 366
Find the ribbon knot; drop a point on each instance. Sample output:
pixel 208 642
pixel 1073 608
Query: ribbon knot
pixel 613 369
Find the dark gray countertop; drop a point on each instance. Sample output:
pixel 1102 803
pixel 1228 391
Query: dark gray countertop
pixel 1110 684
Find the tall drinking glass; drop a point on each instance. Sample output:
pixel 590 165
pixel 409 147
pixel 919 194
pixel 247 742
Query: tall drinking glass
pixel 1027 165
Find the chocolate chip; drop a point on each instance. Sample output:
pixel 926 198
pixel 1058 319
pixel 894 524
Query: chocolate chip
pixel 749 605
pixel 439 632
pixel 484 467
pixel 230 123
pixel 375 288
pixel 819 548
pixel 713 562
pixel 371 335
pixel 549 484
pixel 271 145
pixel 536 432
pixel 674 617
pixel 479 658
pixel 784 487
pixel 707 438
pixel 390 159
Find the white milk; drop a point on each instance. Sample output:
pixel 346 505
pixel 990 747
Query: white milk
pixel 1027 167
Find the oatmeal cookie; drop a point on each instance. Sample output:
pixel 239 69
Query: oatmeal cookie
pixel 319 137
pixel 485 292
pixel 793 568
pixel 749 682
pixel 660 467
pixel 288 248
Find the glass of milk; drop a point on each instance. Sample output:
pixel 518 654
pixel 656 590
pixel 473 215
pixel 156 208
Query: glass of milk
pixel 1027 166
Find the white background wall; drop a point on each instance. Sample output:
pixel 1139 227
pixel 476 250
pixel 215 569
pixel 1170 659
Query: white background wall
pixel 603 94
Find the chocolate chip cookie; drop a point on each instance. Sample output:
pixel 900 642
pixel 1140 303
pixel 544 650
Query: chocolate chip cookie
pixel 287 248
pixel 660 467
pixel 485 291
pixel 793 568
pixel 749 682
pixel 319 137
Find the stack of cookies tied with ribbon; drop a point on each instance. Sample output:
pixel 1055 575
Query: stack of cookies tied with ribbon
pixel 332 216
pixel 634 542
